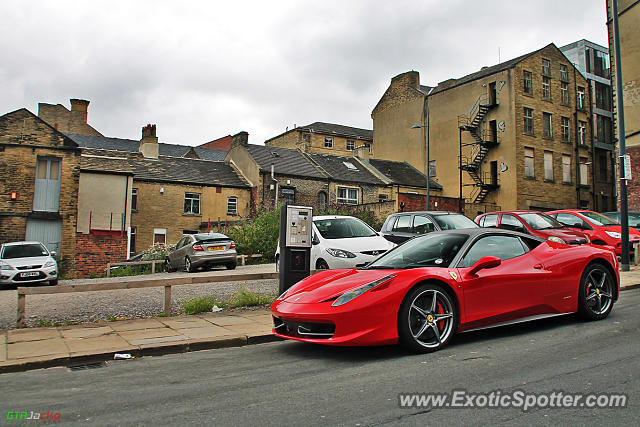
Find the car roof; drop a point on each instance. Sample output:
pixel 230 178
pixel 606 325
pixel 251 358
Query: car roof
pixel 426 212
pixel 472 232
pixel 30 242
pixel 331 217
pixel 217 235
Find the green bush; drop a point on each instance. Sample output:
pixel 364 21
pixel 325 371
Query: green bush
pixel 258 233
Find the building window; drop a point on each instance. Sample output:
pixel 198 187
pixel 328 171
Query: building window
pixel 432 168
pixel 134 199
pixel 604 170
pixel 564 127
pixel 604 131
pixel 322 200
pixel 232 205
pixel 581 104
pixel 582 132
pixel 564 93
pixel 583 171
pixel 159 236
pixel 132 242
pixel 351 144
pixel 350 166
pixel 547 125
pixel 603 96
pixel 368 145
pixel 288 195
pixel 529 171
pixel 601 64
pixel 328 142
pixel 528 121
pixel 192 203
pixel 546 88
pixel 347 195
pixel 306 137
pixel 566 169
pixel 564 73
pixel 546 67
pixel 528 83
pixel 382 198
pixel 548 166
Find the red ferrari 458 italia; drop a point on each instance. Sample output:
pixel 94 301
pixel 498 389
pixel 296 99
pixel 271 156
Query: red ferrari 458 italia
pixel 422 292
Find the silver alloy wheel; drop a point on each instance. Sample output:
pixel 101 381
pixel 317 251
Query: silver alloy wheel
pixel 187 264
pixel 431 318
pixel 599 292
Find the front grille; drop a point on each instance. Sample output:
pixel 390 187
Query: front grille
pixel 29 267
pixel 304 329
pixel 40 275
pixel 375 252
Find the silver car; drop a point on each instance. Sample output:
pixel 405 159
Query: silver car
pixel 202 250
pixel 27 262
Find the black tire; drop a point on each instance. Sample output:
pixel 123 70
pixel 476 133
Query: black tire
pixel 187 265
pixel 167 266
pixel 595 296
pixel 425 325
pixel 53 282
pixel 322 265
pixel 231 265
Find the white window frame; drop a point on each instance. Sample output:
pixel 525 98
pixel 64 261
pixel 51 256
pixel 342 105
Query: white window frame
pixel 548 165
pixel 528 119
pixel 566 169
pixel 580 98
pixel 160 232
pixel 565 128
pixel 348 197
pixel 328 142
pixel 232 205
pixel 546 88
pixel 190 198
pixel 582 132
pixel 529 163
pixel 564 93
pixel 351 144
pixel 547 125
pixel 546 67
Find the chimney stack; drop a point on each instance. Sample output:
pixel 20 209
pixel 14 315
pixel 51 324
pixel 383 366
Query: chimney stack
pixel 79 110
pixel 362 152
pixel 149 142
pixel 240 138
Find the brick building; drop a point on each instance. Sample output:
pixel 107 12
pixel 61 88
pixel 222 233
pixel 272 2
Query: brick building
pixel 512 136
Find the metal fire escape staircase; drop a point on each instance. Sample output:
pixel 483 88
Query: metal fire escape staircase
pixel 483 141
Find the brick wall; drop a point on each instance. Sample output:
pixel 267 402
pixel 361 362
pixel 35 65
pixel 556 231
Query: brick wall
pixel 633 185
pixel 94 251
pixel 418 202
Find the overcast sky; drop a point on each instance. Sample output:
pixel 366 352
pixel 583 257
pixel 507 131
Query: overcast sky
pixel 201 70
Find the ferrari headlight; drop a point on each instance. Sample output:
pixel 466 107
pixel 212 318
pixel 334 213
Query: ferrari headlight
pixel 555 239
pixel 340 253
pixel 348 296
pixel 614 234
pixel 4 266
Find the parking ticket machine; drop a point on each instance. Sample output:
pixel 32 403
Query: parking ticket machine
pixel 295 244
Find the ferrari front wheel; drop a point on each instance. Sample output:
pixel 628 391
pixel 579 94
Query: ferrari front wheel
pixel 427 319
pixel 595 297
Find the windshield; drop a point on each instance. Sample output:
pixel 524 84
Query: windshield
pixel 540 221
pixel 599 219
pixel 431 250
pixel 454 222
pixel 343 228
pixel 23 251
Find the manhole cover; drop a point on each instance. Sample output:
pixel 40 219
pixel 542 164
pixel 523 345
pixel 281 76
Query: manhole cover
pixel 86 366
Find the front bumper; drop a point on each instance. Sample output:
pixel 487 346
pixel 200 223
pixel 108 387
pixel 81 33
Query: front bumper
pixel 338 262
pixel 19 277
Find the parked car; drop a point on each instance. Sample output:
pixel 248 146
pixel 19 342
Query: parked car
pixel 535 223
pixel 423 292
pixel 27 262
pixel 601 229
pixel 202 250
pixel 633 217
pixel 402 226
pixel 343 242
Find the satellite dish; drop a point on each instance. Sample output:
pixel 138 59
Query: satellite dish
pixel 503 167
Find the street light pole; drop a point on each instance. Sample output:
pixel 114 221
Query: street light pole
pixel 427 143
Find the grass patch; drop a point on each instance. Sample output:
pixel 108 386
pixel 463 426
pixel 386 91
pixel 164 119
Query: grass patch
pixel 199 305
pixel 44 323
pixel 246 298
pixel 241 298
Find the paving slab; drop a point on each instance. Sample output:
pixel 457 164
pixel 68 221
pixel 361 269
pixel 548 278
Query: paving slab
pixel 185 322
pixel 3 348
pixel 140 334
pixel 211 331
pixel 31 334
pixel 146 342
pixel 93 345
pixel 130 325
pixel 30 349
pixel 86 332
pixel 222 320
pixel 251 330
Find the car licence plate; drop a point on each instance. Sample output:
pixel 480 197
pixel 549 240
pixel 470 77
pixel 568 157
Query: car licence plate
pixel 30 274
pixel 216 248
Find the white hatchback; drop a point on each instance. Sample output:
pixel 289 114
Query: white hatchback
pixel 27 262
pixel 343 242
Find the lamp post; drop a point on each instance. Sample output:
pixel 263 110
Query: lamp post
pixel 426 141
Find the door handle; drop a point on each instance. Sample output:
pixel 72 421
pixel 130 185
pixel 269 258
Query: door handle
pixel 538 266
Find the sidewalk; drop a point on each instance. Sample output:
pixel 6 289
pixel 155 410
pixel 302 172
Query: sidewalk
pixel 33 348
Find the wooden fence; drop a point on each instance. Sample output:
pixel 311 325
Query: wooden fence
pixel 242 259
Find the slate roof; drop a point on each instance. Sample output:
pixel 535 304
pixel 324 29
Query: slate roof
pixel 130 145
pixel 332 129
pixel 402 173
pixel 164 169
pixel 335 166
pixel 285 161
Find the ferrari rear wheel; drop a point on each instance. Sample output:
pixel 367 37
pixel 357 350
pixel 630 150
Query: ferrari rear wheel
pixel 595 297
pixel 427 319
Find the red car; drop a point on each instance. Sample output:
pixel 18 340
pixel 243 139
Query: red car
pixel 425 290
pixel 601 229
pixel 535 223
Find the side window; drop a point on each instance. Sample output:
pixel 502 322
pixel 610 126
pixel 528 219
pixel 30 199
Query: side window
pixel 510 222
pixel 503 247
pixel 422 225
pixel 570 220
pixel 402 224
pixel 481 221
pixel 490 220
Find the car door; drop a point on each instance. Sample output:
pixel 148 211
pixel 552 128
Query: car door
pixel 502 293
pixel 422 225
pixel 183 252
pixel 400 230
pixel 173 254
pixel 511 222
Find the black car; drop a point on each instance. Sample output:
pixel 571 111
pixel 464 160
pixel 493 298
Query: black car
pixel 402 226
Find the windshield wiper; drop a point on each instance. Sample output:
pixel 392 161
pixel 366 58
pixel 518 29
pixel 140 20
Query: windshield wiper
pixel 380 267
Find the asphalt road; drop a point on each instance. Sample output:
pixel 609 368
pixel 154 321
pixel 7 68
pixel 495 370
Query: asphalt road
pixel 289 383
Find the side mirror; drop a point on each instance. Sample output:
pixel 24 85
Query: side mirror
pixel 315 240
pixel 484 262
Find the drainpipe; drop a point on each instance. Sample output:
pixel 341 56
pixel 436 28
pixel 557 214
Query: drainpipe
pixel 577 135
pixel 273 177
